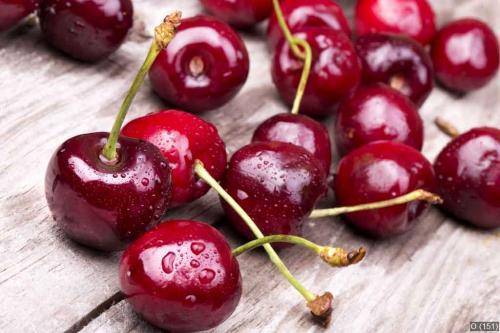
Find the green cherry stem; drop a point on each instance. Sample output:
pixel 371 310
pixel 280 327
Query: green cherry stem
pixel 292 41
pixel 163 35
pixel 421 195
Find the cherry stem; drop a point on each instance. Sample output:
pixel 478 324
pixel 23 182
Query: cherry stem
pixel 421 195
pixel 334 256
pixel 292 41
pixel 200 170
pixel 446 127
pixel 163 35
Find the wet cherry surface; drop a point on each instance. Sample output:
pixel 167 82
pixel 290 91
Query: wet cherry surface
pixel 181 276
pixel 468 177
pixel 239 13
pixel 12 11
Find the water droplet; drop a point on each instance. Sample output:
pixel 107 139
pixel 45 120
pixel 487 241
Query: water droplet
pixel 145 181
pixel 115 175
pixel 123 175
pixel 195 263
pixel 206 275
pixel 190 298
pixel 197 247
pixel 167 262
pixel 179 243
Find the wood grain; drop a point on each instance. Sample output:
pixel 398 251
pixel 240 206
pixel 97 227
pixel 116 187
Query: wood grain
pixel 436 278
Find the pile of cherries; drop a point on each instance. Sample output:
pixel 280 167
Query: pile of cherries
pixel 108 189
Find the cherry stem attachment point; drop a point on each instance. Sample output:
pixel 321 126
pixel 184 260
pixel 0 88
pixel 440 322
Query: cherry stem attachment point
pixel 446 127
pixel 163 35
pixel 420 195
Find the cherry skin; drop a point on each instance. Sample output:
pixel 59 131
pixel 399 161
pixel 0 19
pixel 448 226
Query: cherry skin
pixel 181 276
pixel 301 14
pixel 105 205
pixel 203 67
pixel 299 130
pixel 465 54
pixel 276 183
pixel 335 70
pixel 241 14
pixel 379 171
pixel 13 11
pixel 468 177
pixel 414 18
pixel 377 112
pixel 397 61
pixel 182 138
pixel 87 30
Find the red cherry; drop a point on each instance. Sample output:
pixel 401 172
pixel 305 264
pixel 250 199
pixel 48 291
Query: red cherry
pixel 105 205
pixel 88 30
pixel 181 276
pixel 299 130
pixel 203 67
pixel 276 183
pixel 379 171
pixel 239 13
pixel 182 138
pixel 414 18
pixel 13 11
pixel 465 54
pixel 377 112
pixel 398 61
pixel 468 177
pixel 335 71
pixel 301 14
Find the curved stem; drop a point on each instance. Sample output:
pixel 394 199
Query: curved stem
pixel 446 127
pixel 200 170
pixel 286 31
pixel 305 75
pixel 163 35
pixel 412 196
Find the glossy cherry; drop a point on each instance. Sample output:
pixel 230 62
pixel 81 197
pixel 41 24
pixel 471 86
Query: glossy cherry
pixel 377 112
pixel 104 205
pixel 181 276
pixel 468 177
pixel 88 30
pixel 299 130
pixel 276 183
pixel 241 14
pixel 182 138
pixel 379 171
pixel 204 66
pixel 465 54
pixel 414 18
pixel 300 14
pixel 397 61
pixel 335 71
pixel 13 11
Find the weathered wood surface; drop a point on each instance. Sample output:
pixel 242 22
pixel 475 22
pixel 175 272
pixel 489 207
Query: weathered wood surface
pixel 436 278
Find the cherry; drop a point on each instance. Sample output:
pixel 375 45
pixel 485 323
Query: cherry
pixel 277 184
pixel 204 66
pixel 377 112
pixel 468 177
pixel 414 18
pixel 12 11
pixel 465 54
pixel 398 61
pixel 300 14
pixel 182 138
pixel 299 130
pixel 335 71
pixel 240 13
pixel 379 171
pixel 87 30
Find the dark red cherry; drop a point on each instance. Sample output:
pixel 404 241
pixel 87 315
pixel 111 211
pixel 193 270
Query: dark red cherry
pixel 465 54
pixel 414 18
pixel 299 130
pixel 377 112
pixel 276 183
pixel 182 138
pixel 181 276
pixel 307 13
pixel 335 71
pixel 468 177
pixel 397 61
pixel 379 171
pixel 203 67
pixel 13 11
pixel 105 205
pixel 241 14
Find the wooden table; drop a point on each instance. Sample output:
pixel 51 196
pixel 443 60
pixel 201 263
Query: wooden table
pixel 436 278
